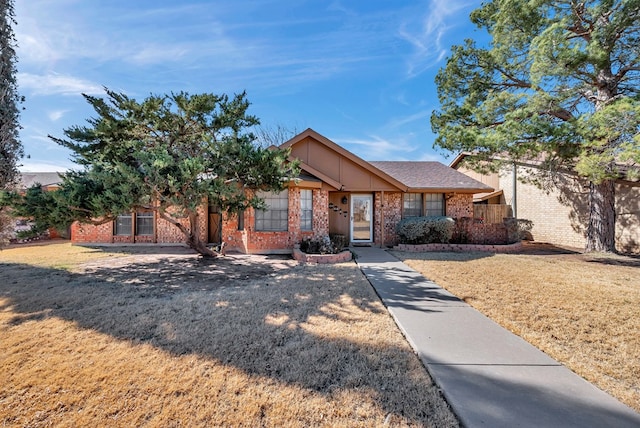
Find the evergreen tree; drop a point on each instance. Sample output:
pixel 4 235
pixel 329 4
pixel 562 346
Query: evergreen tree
pixel 168 154
pixel 559 82
pixel 10 147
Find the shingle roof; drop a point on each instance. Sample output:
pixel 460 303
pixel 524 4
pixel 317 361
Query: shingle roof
pixel 28 179
pixel 430 175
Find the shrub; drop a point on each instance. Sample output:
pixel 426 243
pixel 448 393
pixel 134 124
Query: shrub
pixel 324 244
pixel 425 230
pixel 518 229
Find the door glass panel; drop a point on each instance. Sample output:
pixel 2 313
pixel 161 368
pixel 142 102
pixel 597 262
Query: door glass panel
pixel 361 217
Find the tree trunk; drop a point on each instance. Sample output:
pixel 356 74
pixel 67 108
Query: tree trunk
pixel 190 233
pixel 194 241
pixel 601 232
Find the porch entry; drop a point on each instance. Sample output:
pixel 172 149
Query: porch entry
pixel 361 218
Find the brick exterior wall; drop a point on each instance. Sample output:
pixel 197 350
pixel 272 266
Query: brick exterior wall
pixel 392 209
pixel 164 232
pixel 459 205
pixel 90 234
pixel 249 240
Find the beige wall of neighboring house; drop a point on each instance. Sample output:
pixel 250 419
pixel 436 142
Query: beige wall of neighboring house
pixel 560 214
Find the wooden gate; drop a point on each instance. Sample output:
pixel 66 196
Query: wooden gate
pixel 492 213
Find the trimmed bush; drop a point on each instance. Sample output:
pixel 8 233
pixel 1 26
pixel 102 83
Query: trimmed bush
pixel 324 244
pixel 425 230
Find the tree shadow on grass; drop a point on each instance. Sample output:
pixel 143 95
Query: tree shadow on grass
pixel 265 319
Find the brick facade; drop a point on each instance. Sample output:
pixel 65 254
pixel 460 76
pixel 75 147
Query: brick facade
pixel 391 210
pixel 459 205
pixel 249 240
pixel 387 208
pixel 164 232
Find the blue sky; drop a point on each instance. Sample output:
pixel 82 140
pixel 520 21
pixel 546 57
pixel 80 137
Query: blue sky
pixel 360 73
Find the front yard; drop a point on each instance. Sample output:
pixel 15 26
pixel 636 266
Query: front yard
pixel 160 337
pixel 582 310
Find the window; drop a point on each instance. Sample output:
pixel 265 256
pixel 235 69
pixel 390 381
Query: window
pixel 434 204
pixel 412 205
pixel 306 209
pixel 123 224
pixel 276 216
pixel 240 219
pixel 144 223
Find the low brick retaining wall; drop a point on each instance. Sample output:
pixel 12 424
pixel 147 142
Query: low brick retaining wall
pixel 459 248
pixel 344 256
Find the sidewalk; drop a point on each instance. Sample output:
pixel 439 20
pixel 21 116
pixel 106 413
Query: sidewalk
pixel 489 376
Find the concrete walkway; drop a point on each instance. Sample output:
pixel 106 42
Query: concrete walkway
pixel 491 377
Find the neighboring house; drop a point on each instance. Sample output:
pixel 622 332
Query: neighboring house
pixel 48 181
pixel 336 193
pixel 559 214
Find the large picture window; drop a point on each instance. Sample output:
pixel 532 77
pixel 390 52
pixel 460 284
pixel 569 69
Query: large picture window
pixel 412 205
pixel 275 216
pixel 434 204
pixel 144 223
pixel 123 224
pixel 306 209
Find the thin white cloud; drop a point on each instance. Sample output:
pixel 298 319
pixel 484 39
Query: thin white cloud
pixel 377 148
pixel 398 122
pixel 427 41
pixel 56 84
pixel 55 115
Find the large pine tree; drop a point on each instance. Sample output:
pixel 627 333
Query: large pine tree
pixel 559 81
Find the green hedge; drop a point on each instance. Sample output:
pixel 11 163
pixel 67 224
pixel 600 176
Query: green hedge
pixel 425 230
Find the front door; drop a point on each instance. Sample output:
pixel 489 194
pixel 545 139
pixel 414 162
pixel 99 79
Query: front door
pixel 215 224
pixel 361 218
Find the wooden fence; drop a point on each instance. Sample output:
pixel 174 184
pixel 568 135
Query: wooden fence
pixel 492 213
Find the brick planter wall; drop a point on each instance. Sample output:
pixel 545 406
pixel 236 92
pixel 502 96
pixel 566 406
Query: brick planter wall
pixel 342 257
pixel 459 248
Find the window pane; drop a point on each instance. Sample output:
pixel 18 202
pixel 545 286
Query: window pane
pixel 412 205
pixel 275 217
pixel 144 223
pixel 306 209
pixel 123 224
pixel 434 204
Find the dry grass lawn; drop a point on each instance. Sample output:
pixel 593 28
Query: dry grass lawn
pixel 97 338
pixel 581 310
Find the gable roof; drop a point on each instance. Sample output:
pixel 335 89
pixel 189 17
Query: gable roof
pixel 429 175
pixel 400 175
pixel 342 152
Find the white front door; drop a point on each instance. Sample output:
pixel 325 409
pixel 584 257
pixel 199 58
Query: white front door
pixel 361 218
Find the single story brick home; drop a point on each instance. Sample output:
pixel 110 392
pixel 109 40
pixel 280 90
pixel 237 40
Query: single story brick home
pixel 336 193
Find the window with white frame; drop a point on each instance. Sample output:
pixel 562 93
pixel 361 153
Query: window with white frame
pixel 123 224
pixel 434 204
pixel 275 216
pixel 411 205
pixel 306 209
pixel 144 223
